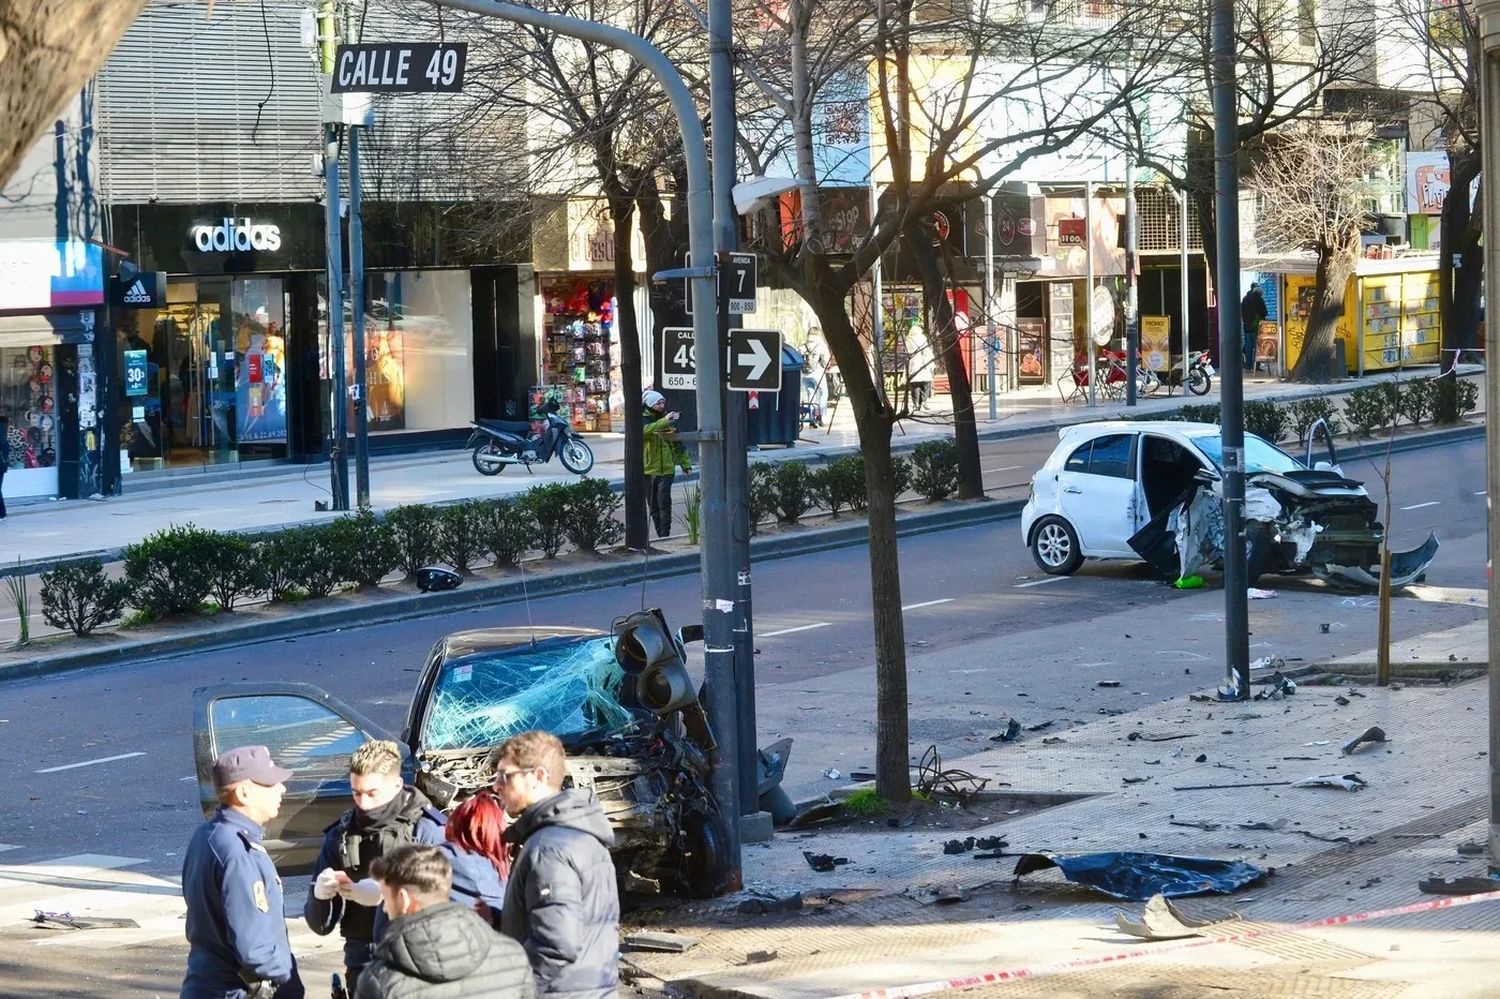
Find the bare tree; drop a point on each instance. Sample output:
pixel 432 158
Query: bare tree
pixel 1315 194
pixel 48 48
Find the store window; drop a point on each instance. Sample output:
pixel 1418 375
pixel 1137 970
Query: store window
pixel 581 353
pixel 419 350
pixel 258 307
pixel 28 399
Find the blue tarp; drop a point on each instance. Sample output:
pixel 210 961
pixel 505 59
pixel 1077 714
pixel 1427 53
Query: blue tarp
pixel 1138 876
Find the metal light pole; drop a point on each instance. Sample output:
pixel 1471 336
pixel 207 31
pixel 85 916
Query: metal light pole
pixel 1088 295
pixel 1231 371
pixel 989 300
pixel 1132 309
pixel 338 456
pixel 716 563
pixel 1489 123
pixel 357 301
pixel 1182 288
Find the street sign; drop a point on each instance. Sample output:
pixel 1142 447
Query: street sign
pixel 679 358
pixel 399 68
pixel 147 290
pixel 755 360
pixel 738 280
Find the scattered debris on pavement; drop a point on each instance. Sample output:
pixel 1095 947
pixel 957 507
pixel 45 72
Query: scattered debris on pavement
pixel 1161 920
pixel 1473 848
pixel 72 922
pixel 761 956
pixel 1138 876
pixel 1277 686
pixel 767 906
pixel 1107 683
pixel 1196 824
pixel 1370 735
pixel 1458 886
pixel 1010 734
pixel 666 943
pixel 1263 826
pixel 1159 736
pixel 832 774
pixel 1255 593
pixel 823 862
pixel 1345 782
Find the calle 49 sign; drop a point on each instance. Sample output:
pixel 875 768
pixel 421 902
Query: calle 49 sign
pixel 399 68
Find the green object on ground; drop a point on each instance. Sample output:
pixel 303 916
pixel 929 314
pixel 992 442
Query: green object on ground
pixel 1189 583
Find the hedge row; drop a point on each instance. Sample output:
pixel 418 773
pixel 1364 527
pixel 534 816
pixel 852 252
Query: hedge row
pixel 186 569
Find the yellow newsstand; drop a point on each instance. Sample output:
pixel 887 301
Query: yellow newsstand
pixel 1391 314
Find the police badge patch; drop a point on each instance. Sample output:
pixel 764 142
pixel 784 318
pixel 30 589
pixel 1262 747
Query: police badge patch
pixel 259 891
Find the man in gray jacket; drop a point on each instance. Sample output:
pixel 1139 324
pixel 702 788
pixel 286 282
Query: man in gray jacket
pixel 561 902
pixel 434 948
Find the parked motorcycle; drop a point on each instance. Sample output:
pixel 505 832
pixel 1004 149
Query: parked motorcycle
pixel 1200 375
pixel 497 443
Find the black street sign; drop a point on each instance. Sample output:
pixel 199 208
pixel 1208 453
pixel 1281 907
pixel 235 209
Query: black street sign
pixel 738 280
pixel 679 358
pixel 399 68
pixel 755 360
pixel 147 290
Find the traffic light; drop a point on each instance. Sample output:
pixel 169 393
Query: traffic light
pixel 647 652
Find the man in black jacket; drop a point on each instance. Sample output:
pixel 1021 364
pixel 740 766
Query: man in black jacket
pixel 386 814
pixel 1253 312
pixel 434 948
pixel 561 902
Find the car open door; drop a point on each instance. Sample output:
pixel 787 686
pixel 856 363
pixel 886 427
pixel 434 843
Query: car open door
pixel 308 733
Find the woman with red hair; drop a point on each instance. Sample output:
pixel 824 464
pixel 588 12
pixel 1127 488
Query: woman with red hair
pixel 481 860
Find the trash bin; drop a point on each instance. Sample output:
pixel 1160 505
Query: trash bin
pixel 777 417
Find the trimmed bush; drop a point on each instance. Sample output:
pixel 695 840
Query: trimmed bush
pixel 509 531
pixel 329 552
pixel 1196 412
pixel 934 469
pixel 793 490
pixel 171 571
pixel 235 571
pixel 1367 409
pixel 901 476
pixel 1468 396
pixel 283 558
pixel 417 533
pixel 369 545
pixel 463 534
pixel 1416 400
pixel 548 506
pixel 1309 410
pixel 1266 420
pixel 1453 398
pixel 593 508
pixel 81 597
pixel 760 499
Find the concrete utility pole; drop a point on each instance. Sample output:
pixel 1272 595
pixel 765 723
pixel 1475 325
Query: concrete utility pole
pixel 357 308
pixel 1231 369
pixel 338 456
pixel 1489 124
pixel 717 567
pixel 989 300
pixel 1132 305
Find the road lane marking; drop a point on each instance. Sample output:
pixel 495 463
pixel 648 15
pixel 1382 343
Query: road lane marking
pixel 792 631
pixel 1007 468
pixel 1418 506
pixel 928 603
pixel 1481 492
pixel 88 763
pixel 1041 582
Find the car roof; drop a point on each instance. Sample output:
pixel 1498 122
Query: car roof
pixel 1176 428
pixel 481 640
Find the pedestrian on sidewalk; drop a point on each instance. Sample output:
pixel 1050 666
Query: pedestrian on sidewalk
pixel 481 860
pixel 1252 313
pixel 919 363
pixel 434 947
pixel 236 929
pixel 815 375
pixel 663 456
pixel 386 814
pixel 561 901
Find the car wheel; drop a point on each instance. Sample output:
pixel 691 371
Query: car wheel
pixel 1054 546
pixel 705 858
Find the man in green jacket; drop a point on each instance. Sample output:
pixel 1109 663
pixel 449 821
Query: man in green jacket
pixel 663 456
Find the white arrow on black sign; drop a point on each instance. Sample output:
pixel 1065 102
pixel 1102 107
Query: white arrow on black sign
pixel 754 360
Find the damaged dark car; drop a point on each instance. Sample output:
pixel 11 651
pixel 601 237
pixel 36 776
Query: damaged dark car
pixel 1152 491
pixel 622 704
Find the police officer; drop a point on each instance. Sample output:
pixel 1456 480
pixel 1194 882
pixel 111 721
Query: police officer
pixel 386 814
pixel 236 930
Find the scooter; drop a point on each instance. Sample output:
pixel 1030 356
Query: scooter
pixel 1200 376
pixel 497 443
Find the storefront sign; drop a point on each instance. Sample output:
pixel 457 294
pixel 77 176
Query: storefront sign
pixel 233 235
pixel 1031 349
pixel 1427 182
pixel 135 372
pixel 1156 342
pixel 144 291
pixel 1070 232
pixel 37 274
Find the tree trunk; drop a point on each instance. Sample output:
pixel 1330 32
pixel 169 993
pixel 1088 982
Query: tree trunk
pixel 1335 266
pixel 48 48
pixel 945 330
pixel 1461 259
pixel 621 214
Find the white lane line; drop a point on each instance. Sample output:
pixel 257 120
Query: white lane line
pixel 88 763
pixel 1041 582
pixel 792 631
pixel 1007 468
pixel 1418 506
pixel 1481 492
pixel 928 603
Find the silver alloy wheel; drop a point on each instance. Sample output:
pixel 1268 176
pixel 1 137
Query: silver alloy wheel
pixel 1053 545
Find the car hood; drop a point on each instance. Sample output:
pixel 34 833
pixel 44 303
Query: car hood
pixel 1309 484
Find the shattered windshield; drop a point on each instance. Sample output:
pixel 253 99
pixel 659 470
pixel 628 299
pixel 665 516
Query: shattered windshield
pixel 1259 456
pixel 563 686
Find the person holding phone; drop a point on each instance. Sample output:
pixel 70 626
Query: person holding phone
pixel 663 456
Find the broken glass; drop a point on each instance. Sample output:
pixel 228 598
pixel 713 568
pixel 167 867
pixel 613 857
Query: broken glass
pixel 565 686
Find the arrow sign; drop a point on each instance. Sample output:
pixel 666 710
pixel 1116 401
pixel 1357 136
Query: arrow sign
pixel 755 360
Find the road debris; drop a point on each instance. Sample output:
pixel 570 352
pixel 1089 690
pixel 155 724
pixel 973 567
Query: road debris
pixel 1159 736
pixel 1135 780
pixel 1222 787
pixel 1264 826
pixel 832 774
pixel 1345 782
pixel 72 922
pixel 1254 593
pixel 823 862
pixel 1011 733
pixel 1277 686
pixel 1341 701
pixel 1370 735
pixel 665 943
pixel 1458 886
pixel 1201 758
pixel 761 956
pixel 1473 848
pixel 1161 920
pixel 1195 824
pixel 1138 876
pixel 1107 683
pixel 766 906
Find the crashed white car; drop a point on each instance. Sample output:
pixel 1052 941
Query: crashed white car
pixel 1151 491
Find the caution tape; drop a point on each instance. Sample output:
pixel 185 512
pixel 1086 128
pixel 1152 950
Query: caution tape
pixel 1077 964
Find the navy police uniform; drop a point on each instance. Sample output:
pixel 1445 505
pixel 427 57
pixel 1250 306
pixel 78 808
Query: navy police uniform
pixel 236 929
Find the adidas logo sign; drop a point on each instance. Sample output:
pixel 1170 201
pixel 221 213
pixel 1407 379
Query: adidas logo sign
pixel 136 294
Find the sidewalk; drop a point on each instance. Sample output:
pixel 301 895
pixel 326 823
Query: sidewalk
pixel 1337 853
pixel 278 496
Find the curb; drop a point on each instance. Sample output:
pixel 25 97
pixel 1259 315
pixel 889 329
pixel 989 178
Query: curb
pixel 418 605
